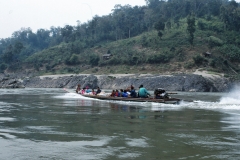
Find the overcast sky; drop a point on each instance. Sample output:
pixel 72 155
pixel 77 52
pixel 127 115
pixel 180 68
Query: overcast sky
pixel 36 14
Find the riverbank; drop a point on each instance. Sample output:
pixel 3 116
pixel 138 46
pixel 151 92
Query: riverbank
pixel 199 81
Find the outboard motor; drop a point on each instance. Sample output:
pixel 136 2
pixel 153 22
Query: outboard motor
pixel 160 93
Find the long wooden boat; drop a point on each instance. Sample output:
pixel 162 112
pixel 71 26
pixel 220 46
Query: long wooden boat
pixel 167 101
pixel 129 99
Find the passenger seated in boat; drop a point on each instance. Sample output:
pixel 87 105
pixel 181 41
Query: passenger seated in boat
pixel 117 94
pixel 88 90
pixel 125 94
pixel 98 91
pixel 93 92
pixel 113 94
pixel 83 90
pixel 143 93
pixel 121 93
pixel 129 88
pixel 133 93
pixel 78 89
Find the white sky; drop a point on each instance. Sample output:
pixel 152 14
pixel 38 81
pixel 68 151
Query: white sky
pixel 36 14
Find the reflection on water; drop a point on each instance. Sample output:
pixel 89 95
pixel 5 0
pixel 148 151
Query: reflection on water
pixel 52 124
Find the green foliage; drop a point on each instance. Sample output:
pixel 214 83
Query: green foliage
pixel 77 47
pixel 231 37
pixel 232 52
pixel 191 28
pixel 3 66
pixel 160 34
pixel 202 25
pixel 214 41
pixel 198 59
pixel 72 60
pixel 189 65
pixel 134 60
pixel 48 67
pixel 36 67
pixel 213 63
pixel 168 25
pixel 95 70
pixel 214 24
pixel 94 59
pixel 114 61
pixel 8 54
pixel 180 56
pixel 230 15
pixel 160 58
pixel 159 26
pixel 144 41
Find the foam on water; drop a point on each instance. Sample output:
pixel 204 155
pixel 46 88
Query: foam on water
pixel 232 97
pixel 228 102
pixel 73 96
pixel 7 119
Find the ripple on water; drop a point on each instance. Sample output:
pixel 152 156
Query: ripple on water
pixel 7 119
pixel 7 135
pixel 137 142
pixel 87 150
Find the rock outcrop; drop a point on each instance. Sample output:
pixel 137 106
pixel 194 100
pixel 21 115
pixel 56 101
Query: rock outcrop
pixel 181 82
pixel 8 82
pixel 178 82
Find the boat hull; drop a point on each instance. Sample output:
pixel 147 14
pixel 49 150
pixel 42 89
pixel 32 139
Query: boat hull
pixel 167 101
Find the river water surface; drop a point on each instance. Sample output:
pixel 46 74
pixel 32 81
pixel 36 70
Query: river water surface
pixel 52 124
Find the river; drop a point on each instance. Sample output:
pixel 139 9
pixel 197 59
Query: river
pixel 50 124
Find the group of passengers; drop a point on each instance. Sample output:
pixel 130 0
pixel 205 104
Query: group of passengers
pixel 87 90
pixel 131 92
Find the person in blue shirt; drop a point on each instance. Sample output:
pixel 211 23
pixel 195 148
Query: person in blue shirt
pixel 143 93
pixel 88 90
pixel 125 94
pixel 133 93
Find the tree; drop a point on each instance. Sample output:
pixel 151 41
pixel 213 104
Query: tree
pixel 8 54
pixel 72 60
pixel 168 25
pixel 160 34
pixel 191 28
pixel 94 59
pixel 67 32
pixel 18 46
pixel 230 15
pixel 159 26
pixel 3 66
pixel 43 38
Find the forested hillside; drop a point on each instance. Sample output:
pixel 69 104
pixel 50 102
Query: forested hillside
pixel 163 36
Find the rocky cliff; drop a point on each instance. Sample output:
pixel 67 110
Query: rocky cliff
pixel 178 82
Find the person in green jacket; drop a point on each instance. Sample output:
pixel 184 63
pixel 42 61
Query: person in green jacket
pixel 143 93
